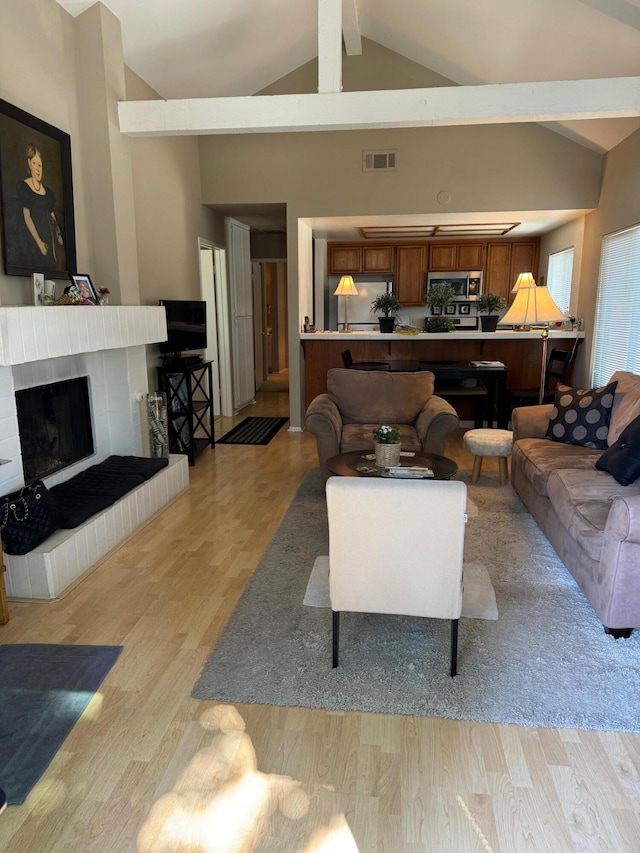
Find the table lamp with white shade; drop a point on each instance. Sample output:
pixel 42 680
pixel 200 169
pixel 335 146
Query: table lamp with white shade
pixel 346 288
pixel 533 306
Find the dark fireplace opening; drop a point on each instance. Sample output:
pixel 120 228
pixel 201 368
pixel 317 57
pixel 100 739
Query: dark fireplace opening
pixel 55 426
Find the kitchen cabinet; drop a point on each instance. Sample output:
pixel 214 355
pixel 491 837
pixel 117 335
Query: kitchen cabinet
pixel 505 262
pixel 410 280
pixel 470 256
pixel 378 259
pixel 496 277
pixel 524 258
pixel 345 260
pixel 502 261
pixel 456 256
pixel 442 256
pixel 352 260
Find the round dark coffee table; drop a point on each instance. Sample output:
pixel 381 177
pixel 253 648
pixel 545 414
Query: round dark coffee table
pixel 355 464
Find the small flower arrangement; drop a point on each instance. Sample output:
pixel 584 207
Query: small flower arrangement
pixel 385 434
pixel 103 295
pixel 104 291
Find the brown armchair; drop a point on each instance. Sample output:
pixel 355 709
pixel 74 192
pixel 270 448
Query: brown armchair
pixel 358 401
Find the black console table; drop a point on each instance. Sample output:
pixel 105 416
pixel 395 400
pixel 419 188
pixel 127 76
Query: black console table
pixel 189 390
pixel 494 377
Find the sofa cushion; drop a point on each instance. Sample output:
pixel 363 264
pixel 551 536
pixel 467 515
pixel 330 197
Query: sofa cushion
pixel 582 501
pixel 626 403
pixel 360 437
pixel 622 459
pixel 376 397
pixel 581 416
pixel 538 458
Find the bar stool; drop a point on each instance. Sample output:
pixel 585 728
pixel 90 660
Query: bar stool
pixel 489 442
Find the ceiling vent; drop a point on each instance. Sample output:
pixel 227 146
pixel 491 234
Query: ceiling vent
pixel 379 161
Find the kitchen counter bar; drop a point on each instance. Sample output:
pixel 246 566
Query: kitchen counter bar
pixel 521 352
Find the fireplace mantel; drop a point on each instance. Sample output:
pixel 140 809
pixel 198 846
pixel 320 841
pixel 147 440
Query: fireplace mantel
pixel 36 334
pixel 105 343
pixel 39 345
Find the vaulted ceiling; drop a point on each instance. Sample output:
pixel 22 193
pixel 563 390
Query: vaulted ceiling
pixel 218 49
pixel 209 48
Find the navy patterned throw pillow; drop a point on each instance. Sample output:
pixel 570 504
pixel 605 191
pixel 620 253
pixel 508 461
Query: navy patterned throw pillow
pixel 582 417
pixel 622 459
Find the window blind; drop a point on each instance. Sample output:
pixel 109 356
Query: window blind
pixel 559 277
pixel 616 339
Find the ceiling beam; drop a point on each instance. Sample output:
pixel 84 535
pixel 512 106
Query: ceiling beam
pixel 565 100
pixel 329 45
pixel 351 28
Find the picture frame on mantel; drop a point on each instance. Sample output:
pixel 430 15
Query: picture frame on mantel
pixel 82 285
pixel 36 191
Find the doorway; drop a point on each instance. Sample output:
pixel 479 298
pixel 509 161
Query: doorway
pixel 270 313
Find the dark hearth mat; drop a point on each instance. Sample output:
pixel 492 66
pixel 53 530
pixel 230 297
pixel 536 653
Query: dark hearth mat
pixel 100 486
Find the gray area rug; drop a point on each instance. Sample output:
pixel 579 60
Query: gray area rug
pixel 44 688
pixel 546 661
pixel 478 597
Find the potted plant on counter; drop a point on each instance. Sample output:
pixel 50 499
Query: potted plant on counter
pixel 437 298
pixel 488 306
pixel 388 305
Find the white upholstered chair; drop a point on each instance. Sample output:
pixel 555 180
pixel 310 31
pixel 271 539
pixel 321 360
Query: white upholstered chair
pixel 396 546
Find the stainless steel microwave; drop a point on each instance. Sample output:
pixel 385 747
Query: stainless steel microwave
pixel 467 286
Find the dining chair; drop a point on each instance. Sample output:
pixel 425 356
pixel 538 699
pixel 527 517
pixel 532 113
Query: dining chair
pixel 350 364
pixel 379 561
pixel 555 374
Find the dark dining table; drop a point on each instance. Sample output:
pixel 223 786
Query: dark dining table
pixel 494 378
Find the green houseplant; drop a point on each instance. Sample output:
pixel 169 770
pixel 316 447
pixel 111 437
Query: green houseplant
pixel 388 305
pixel 488 306
pixel 387 444
pixel 437 298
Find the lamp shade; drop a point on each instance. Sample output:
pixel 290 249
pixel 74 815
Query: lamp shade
pixel 532 305
pixel 525 279
pixel 346 287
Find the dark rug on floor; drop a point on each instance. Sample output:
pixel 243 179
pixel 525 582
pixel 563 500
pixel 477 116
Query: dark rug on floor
pixel 43 691
pixel 253 431
pixel 545 661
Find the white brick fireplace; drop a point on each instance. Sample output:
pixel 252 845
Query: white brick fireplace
pixel 43 345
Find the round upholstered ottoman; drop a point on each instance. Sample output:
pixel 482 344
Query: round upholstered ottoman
pixel 489 442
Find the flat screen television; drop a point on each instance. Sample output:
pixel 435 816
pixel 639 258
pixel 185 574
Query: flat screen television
pixel 186 326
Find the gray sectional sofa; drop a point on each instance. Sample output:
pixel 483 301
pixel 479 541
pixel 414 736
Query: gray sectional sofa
pixel 591 520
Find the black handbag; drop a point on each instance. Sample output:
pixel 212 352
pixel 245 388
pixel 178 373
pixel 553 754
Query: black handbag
pixel 27 518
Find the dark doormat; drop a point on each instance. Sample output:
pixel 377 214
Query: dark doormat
pixel 44 689
pixel 253 431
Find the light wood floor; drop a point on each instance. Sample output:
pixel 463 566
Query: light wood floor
pixel 148 768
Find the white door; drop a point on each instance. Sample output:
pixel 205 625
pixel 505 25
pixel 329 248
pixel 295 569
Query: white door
pixel 241 292
pixel 213 288
pixel 207 286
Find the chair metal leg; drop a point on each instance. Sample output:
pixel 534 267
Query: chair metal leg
pixel 336 636
pixel 454 647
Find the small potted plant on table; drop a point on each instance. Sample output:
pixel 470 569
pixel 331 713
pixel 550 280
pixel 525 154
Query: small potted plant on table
pixel 488 306
pixel 387 444
pixel 437 298
pixel 388 305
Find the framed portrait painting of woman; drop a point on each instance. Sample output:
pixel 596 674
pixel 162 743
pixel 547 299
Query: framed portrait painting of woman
pixel 38 233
